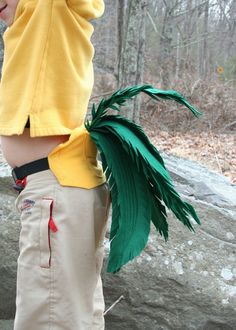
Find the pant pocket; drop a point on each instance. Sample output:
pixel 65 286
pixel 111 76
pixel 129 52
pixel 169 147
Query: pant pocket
pixel 47 226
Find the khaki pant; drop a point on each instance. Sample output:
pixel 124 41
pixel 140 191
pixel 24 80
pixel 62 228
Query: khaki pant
pixel 61 253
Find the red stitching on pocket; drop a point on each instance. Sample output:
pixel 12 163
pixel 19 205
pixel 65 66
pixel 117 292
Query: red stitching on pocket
pixel 51 223
pixel 51 227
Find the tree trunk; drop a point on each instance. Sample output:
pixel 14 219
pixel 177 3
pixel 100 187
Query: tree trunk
pixel 131 51
pixel 121 5
pixel 205 41
pixel 2 29
pixel 199 49
pixel 165 58
pixel 188 33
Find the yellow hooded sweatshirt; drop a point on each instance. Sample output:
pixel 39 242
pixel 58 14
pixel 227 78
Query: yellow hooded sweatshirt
pixel 47 77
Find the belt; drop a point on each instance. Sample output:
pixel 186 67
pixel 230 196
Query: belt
pixel 19 173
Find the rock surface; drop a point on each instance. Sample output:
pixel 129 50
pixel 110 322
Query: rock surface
pixel 6 324
pixel 188 283
pixel 9 233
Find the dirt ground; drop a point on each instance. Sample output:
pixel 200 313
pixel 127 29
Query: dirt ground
pixel 216 151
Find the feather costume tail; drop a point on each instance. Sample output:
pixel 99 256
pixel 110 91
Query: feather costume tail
pixel 141 188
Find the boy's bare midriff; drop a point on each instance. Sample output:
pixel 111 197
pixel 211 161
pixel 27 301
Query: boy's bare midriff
pixel 21 149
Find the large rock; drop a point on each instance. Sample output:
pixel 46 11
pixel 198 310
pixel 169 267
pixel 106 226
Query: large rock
pixel 6 324
pixel 187 283
pixel 9 233
pixel 196 180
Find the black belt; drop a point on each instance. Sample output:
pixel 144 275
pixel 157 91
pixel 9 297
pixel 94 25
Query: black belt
pixel 19 173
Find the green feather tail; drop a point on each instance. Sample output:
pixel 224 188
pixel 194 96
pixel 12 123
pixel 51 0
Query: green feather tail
pixel 141 188
pixel 119 98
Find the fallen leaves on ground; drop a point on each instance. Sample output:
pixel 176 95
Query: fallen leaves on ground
pixel 216 151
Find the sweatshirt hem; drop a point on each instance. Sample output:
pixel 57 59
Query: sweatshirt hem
pixel 38 132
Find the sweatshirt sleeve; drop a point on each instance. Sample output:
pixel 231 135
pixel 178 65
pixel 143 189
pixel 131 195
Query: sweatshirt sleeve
pixel 89 9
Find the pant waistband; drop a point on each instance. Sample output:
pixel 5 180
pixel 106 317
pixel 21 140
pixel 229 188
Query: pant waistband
pixel 19 173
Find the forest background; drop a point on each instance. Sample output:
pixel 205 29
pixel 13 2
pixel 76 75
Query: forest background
pixel 186 45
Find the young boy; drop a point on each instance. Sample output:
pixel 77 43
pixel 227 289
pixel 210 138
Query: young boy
pixel 47 79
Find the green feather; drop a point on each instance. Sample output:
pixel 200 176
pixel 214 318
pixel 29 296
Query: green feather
pixel 159 216
pixel 151 167
pixel 131 221
pixel 141 188
pixel 120 97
